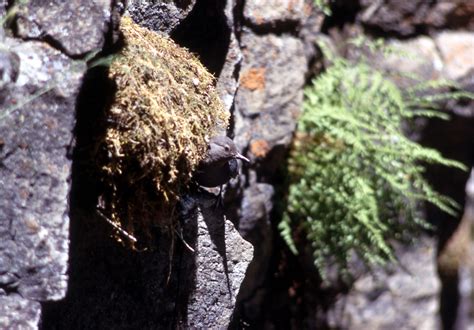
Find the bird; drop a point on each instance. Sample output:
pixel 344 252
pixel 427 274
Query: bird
pixel 219 164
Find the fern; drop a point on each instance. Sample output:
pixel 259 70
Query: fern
pixel 355 180
pixel 324 6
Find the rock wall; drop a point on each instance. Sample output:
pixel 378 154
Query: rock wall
pixel 42 68
pixel 59 262
pixel 59 267
pixel 438 42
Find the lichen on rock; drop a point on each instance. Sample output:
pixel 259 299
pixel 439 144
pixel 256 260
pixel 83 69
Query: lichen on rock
pixel 165 109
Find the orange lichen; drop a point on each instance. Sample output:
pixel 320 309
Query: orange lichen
pixel 259 148
pixel 253 79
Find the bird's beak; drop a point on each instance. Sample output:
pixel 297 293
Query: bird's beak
pixel 239 156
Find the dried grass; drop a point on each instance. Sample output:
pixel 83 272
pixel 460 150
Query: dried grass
pixel 165 110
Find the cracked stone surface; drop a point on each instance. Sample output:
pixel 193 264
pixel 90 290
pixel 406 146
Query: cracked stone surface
pixel 36 131
pixel 267 104
pixel 222 258
pixel 3 5
pixel 160 16
pixel 274 12
pixel 227 82
pixel 74 26
pixel 37 101
pixel 39 84
pixel 408 18
pixel 19 313
pixel 400 299
pixel 270 95
pixel 457 52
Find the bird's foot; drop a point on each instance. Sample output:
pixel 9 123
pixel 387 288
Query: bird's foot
pixel 209 199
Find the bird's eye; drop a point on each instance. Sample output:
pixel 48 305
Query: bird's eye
pixel 226 147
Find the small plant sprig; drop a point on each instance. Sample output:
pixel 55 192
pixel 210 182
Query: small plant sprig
pixel 324 6
pixel 355 180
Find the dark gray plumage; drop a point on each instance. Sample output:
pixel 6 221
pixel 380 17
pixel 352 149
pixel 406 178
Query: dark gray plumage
pixel 220 163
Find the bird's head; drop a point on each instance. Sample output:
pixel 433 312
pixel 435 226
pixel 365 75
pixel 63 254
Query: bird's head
pixel 222 148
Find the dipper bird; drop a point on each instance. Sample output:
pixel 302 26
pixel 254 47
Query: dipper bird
pixel 220 163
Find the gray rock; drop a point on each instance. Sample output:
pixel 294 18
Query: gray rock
pixel 270 95
pixel 9 67
pixel 165 286
pixel 75 27
pixel 388 300
pixel 393 16
pixel 3 5
pixel 222 258
pixel 39 86
pixel 256 205
pixel 418 57
pixel 310 34
pixel 19 313
pixel 37 96
pixel 227 82
pixel 267 104
pixel 408 18
pixel 258 13
pixel 457 51
pixel 36 130
pixel 158 15
pixel 448 55
pixel 255 226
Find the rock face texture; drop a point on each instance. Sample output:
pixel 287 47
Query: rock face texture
pixel 405 298
pixel 51 106
pixel 37 97
pixel 59 266
pixel 410 18
pixel 36 133
pixel 18 313
pixel 222 259
pixel 262 45
pixel 76 27
pixel 267 104
pixel 190 282
pixel 38 90
pixel 160 16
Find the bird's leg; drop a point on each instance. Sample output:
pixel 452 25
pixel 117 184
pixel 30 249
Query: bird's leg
pixel 219 200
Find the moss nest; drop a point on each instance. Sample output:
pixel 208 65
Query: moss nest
pixel 165 110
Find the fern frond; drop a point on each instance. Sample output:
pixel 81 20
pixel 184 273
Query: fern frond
pixel 355 180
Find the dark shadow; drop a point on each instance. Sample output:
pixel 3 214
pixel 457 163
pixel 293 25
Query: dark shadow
pixel 111 286
pixel 449 301
pixel 205 32
pixel 455 140
pixel 343 12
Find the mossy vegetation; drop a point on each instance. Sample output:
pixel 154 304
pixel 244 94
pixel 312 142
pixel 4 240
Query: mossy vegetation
pixel 164 112
pixel 355 180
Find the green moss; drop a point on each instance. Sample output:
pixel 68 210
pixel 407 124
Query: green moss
pixel 164 112
pixel 355 180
